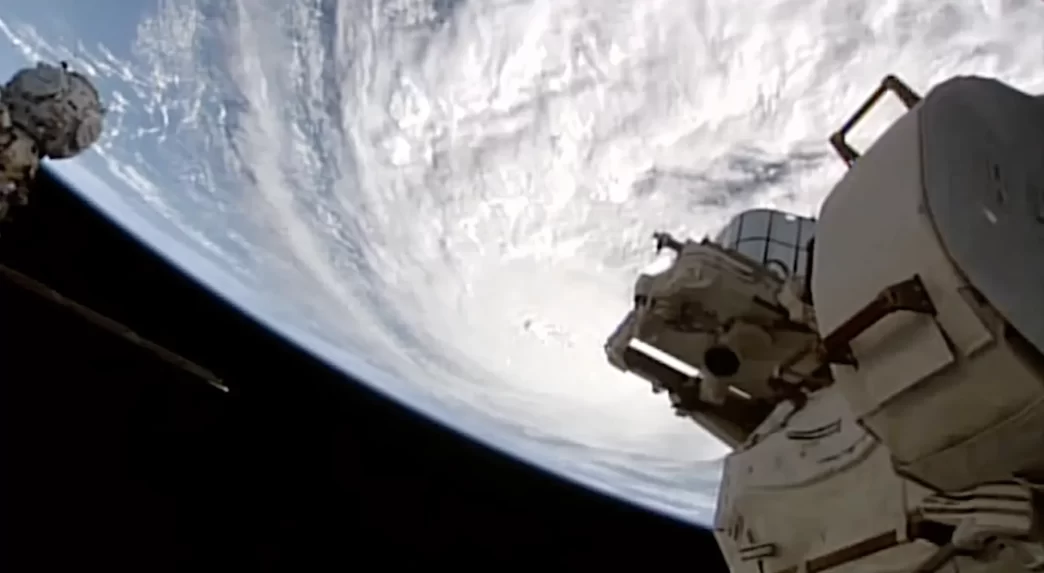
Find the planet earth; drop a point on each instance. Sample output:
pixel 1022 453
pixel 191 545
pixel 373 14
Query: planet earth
pixel 450 199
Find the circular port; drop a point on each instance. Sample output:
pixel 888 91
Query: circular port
pixel 721 361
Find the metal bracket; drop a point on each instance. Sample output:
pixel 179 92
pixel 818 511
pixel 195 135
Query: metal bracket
pixel 665 240
pixel 909 295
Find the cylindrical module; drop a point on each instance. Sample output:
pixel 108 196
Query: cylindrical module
pixel 945 197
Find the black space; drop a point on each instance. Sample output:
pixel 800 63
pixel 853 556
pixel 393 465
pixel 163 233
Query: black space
pixel 115 461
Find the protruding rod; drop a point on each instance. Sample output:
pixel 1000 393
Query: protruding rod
pixel 113 327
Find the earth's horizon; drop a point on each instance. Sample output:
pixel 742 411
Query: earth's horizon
pixel 450 200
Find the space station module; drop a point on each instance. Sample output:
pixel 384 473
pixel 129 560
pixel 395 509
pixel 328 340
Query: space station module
pixel 45 112
pixel 879 371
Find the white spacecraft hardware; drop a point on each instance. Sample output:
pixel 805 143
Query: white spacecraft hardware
pixel 881 386
pixel 45 112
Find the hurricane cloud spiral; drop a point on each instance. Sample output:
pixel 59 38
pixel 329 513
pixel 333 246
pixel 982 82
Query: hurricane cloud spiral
pixel 452 199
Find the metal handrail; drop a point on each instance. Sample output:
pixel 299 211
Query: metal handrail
pixel 889 84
